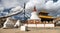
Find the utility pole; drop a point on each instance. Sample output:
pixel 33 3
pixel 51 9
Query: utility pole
pixel 24 11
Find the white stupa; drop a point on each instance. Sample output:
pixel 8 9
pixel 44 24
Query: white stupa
pixel 34 14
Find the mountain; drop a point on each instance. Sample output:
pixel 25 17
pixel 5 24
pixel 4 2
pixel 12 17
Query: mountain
pixel 20 16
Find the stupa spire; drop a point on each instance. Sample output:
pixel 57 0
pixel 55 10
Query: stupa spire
pixel 34 9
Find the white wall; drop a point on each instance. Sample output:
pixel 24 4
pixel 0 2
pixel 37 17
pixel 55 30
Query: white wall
pixel 39 25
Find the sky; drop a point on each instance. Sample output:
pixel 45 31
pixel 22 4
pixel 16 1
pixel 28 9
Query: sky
pixel 51 6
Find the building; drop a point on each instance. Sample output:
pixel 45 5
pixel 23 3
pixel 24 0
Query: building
pixel 42 19
pixel 43 15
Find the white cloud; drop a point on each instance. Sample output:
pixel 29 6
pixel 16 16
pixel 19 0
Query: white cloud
pixel 51 6
pixel 1 8
pixel 33 3
pixel 40 4
pixel 10 3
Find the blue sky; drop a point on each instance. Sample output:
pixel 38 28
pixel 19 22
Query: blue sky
pixel 52 6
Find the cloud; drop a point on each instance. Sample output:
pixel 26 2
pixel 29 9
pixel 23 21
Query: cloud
pixel 12 3
pixel 1 8
pixel 33 3
pixel 49 5
pixel 52 7
pixel 9 3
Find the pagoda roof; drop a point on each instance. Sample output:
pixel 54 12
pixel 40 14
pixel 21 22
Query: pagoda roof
pixel 44 12
pixel 49 17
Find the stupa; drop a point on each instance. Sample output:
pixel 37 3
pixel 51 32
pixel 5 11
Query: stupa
pixel 34 14
pixel 34 19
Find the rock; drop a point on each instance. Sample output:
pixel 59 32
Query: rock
pixel 17 24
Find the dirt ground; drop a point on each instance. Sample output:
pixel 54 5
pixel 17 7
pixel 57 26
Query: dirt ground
pixel 32 30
